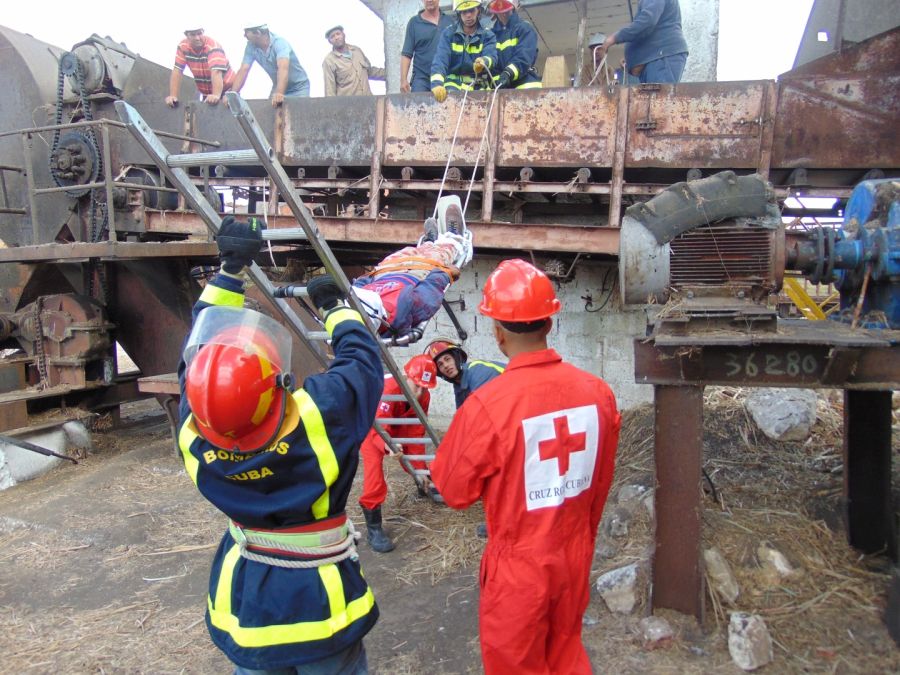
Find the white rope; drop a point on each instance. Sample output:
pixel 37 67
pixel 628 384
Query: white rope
pixel 487 123
pixel 342 550
pixel 462 108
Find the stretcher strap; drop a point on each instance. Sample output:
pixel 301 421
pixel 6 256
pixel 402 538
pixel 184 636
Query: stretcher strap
pixel 333 553
pixel 413 263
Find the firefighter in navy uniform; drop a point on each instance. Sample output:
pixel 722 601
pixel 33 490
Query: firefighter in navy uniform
pixel 286 592
pixel 517 47
pixel 465 52
pixel 453 365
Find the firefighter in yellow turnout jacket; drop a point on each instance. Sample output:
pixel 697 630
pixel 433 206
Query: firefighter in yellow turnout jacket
pixel 517 47
pixel 285 589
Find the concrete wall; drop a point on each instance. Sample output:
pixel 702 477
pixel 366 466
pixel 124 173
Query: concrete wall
pixel 599 342
pixel 396 16
pixel 700 23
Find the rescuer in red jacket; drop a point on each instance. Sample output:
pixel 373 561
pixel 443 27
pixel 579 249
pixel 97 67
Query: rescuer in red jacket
pixel 537 445
pixel 421 375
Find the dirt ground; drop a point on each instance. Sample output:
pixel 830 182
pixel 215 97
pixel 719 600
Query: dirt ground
pixel 103 565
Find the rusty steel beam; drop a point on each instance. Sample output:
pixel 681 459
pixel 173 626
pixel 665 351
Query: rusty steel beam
pixel 506 236
pixel 678 452
pixel 868 509
pixel 782 365
pixel 107 250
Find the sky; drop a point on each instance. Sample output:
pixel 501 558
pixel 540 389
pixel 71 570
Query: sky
pixel 758 39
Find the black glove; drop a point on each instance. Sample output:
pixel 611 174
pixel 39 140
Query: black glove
pixel 324 293
pixel 504 79
pixel 239 242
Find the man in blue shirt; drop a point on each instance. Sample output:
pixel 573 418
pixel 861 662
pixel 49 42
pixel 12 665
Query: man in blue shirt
pixel 422 34
pixel 279 61
pixel 655 48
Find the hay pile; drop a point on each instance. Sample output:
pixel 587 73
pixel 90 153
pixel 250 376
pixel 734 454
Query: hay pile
pixel 826 615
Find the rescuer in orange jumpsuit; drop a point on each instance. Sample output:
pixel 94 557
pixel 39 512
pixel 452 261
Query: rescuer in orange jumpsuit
pixel 421 375
pixel 537 445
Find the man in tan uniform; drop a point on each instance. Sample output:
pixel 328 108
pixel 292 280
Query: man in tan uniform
pixel 347 70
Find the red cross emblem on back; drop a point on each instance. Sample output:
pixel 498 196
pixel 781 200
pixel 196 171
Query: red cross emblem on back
pixel 562 445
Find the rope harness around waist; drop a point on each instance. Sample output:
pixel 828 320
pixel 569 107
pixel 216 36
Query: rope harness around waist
pixel 307 550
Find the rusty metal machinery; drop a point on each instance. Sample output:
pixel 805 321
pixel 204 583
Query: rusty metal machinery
pixel 67 338
pixel 83 210
pixel 717 245
pixel 714 250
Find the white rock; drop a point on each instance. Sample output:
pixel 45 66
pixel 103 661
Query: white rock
pixel 618 588
pixel 655 629
pixel 783 414
pixel 607 549
pixel 78 435
pixel 630 493
pixel 720 575
pixel 617 523
pixel 6 479
pixel 771 557
pixel 649 502
pixel 749 642
pixel 24 464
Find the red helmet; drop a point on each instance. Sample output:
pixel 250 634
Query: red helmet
pixel 437 348
pixel 235 384
pixel 500 6
pixel 421 370
pixel 518 292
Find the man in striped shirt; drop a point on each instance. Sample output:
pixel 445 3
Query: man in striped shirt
pixel 208 64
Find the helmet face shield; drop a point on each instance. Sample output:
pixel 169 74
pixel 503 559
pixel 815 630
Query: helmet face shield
pixel 234 383
pixel 246 329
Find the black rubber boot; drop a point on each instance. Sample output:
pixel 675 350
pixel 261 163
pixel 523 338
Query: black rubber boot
pixel 378 540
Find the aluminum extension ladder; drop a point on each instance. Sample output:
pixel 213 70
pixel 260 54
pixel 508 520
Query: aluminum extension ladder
pixel 261 153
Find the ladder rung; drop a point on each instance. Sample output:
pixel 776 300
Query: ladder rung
pixel 393 397
pixel 319 335
pixel 396 421
pixel 420 458
pixel 421 472
pixel 284 233
pixel 413 441
pixel 224 157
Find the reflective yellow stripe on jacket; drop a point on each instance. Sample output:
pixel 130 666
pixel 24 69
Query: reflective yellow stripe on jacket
pixel 220 296
pixel 477 362
pixel 471 49
pixel 318 441
pixel 342 613
pixel 186 437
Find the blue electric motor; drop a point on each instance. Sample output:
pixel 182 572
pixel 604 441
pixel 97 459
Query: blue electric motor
pixel 868 245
